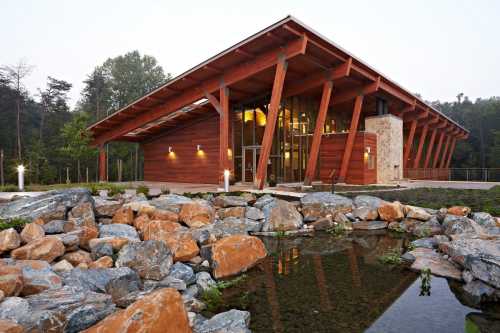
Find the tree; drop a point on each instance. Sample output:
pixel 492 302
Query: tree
pixel 53 99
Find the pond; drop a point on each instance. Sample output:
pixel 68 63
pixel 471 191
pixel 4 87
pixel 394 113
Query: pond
pixel 337 284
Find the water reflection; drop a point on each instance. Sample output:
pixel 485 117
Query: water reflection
pixel 328 284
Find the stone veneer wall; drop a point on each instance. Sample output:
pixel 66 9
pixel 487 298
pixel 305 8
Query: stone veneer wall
pixel 389 131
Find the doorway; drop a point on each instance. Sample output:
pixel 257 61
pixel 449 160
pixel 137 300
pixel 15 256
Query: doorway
pixel 250 159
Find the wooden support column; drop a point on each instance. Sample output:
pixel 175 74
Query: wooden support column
pixel 421 141
pixel 318 131
pixel 409 143
pixel 358 103
pixel 272 116
pixel 223 131
pixel 452 150
pixel 102 163
pixel 430 147
pixel 445 152
pixel 438 150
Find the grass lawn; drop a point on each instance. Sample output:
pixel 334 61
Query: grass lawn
pixel 477 200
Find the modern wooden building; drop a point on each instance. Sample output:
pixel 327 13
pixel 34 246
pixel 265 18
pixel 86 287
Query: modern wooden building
pixel 284 104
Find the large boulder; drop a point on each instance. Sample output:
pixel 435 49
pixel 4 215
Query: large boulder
pixel 459 210
pixel 367 201
pixel 197 213
pixel 150 259
pixel 106 208
pixel 97 279
pixel 365 213
pixel 428 228
pixel 484 219
pixel 238 212
pixel 417 213
pixel 158 229
pixel 429 259
pixel 391 211
pixel 11 280
pixel 225 322
pixel 164 215
pixel 229 201
pixel 181 244
pixel 236 226
pixel 124 215
pixel 281 215
pixel 118 230
pixel 253 213
pixel 321 204
pixel 456 224
pixel 9 240
pixel 171 202
pixel 82 215
pixel 37 275
pixel 31 232
pixel 46 248
pixel 235 254
pixel 160 311
pixel 78 257
pixel 55 226
pixel 183 272
pixel 369 225
pixel 48 206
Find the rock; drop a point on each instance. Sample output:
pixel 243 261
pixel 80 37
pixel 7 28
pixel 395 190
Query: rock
pixel 37 275
pixel 281 215
pixel 119 230
pixel 150 259
pixel 85 235
pixel 78 257
pixel 121 287
pixel 7 326
pixel 417 213
pixel 47 248
pixel 160 311
pixel 171 202
pixel 97 279
pixel 459 210
pixel 264 200
pixel 437 265
pixel 103 262
pixel 409 225
pixel 11 280
pixel 321 204
pixel 140 222
pixel 116 243
pixel 394 225
pixel 54 227
pixel 238 212
pixel 182 272
pixel 164 215
pixel 391 211
pixel 106 208
pixel 51 205
pixel 159 230
pixel 225 322
pixel 82 215
pixel 367 201
pixel 429 243
pixel 342 220
pixel 193 305
pixel 253 213
pixel 229 201
pixel 181 245
pixel 31 232
pixel 236 226
pixel 62 266
pixel 369 225
pixel 9 240
pixel 102 248
pixel 146 209
pixel 197 213
pixel 204 281
pixel 484 219
pixel 15 309
pixel 429 228
pixel 478 292
pixel 235 254
pixel 323 223
pixel 365 213
pixel 454 224
pixel 124 215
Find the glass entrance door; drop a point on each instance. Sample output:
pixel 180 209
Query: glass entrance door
pixel 250 155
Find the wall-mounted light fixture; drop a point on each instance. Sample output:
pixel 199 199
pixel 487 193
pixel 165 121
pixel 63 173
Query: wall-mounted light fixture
pixel 229 153
pixel 20 177
pixel 198 148
pixel 366 155
pixel 170 149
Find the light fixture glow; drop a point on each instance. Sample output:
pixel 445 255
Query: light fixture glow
pixel 198 147
pixel 227 173
pixel 170 150
pixel 229 153
pixel 20 177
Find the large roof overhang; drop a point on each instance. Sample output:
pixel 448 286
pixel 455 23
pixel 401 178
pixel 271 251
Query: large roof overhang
pixel 247 68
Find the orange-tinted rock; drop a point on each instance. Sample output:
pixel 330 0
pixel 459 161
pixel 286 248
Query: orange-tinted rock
pixel 164 215
pixel 146 210
pixel 39 221
pixel 391 211
pixel 196 214
pixel 232 212
pixel 234 254
pixel 7 326
pixel 32 231
pixel 183 246
pixel 11 280
pixel 77 257
pixel 116 242
pixel 141 221
pixel 103 262
pixel 459 210
pixel 86 234
pixel 156 229
pixel 82 266
pixel 124 215
pixel 46 248
pixel 161 311
pixel 9 240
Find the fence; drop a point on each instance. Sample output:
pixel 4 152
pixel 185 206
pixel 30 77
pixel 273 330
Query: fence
pixel 455 174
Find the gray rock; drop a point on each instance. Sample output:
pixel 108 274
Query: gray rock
pixel 49 206
pixel 253 213
pixel 429 243
pixel 369 225
pixel 281 215
pixel 454 224
pixel 367 201
pixel 118 230
pixel 321 204
pixel 106 208
pixel 54 227
pixel 122 286
pixel 204 281
pixel 484 219
pixel 101 249
pixel 236 226
pixel 428 228
pixel 264 200
pixel 71 239
pixel 183 272
pixel 418 213
pixel 16 309
pixel 97 279
pixel 171 202
pixel 192 291
pixel 193 304
pixel 365 213
pixel 479 292
pixel 229 201
pixel 39 277
pixel 429 259
pixel 150 259
pixel 232 321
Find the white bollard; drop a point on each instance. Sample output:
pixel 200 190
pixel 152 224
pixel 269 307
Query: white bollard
pixel 226 180
pixel 20 177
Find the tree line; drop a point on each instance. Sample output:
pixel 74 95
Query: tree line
pixel 40 130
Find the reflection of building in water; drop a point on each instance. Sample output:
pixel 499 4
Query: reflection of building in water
pixel 288 258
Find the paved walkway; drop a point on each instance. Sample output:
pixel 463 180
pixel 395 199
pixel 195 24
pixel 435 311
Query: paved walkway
pixel 449 184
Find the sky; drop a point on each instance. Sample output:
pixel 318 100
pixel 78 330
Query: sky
pixel 437 48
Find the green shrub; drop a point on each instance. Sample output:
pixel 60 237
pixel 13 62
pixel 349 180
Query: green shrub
pixel 391 257
pixel 212 297
pixel 16 223
pixel 9 188
pixel 142 189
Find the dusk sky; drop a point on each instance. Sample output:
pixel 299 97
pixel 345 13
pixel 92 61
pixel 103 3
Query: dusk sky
pixel 435 48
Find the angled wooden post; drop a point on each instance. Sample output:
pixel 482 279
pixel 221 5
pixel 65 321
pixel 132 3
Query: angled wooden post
pixel 452 149
pixel 102 163
pixel 272 116
pixel 318 131
pixel 358 103
pixel 445 152
pixel 438 150
pixel 430 147
pixel 409 143
pixel 223 131
pixel 421 141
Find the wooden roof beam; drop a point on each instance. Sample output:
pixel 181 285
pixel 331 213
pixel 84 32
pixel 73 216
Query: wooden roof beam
pixel 359 91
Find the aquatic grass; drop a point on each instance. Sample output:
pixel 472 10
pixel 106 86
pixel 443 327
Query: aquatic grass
pixel 212 296
pixel 391 257
pixel 338 230
pixel 425 282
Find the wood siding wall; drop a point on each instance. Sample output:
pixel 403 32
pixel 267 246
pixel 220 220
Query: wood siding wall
pixel 330 155
pixel 185 165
